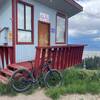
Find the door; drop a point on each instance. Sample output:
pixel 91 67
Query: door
pixel 43 34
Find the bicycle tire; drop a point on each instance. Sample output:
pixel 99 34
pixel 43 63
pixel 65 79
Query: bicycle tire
pixel 50 77
pixel 22 75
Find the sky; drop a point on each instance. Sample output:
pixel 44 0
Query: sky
pixel 84 28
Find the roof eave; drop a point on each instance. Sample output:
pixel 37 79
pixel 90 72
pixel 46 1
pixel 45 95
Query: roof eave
pixel 76 5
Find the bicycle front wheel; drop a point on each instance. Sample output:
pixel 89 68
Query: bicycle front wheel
pixel 21 80
pixel 53 79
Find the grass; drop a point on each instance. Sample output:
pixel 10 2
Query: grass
pixel 74 81
pixel 77 81
pixel 6 90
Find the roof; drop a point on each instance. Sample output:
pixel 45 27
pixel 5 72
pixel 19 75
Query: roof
pixel 70 7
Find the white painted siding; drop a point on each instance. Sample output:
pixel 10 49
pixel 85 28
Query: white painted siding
pixel 5 19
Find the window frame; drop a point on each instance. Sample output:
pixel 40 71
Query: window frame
pixel 32 22
pixel 65 17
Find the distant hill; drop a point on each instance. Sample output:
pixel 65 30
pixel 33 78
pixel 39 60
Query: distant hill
pixel 88 54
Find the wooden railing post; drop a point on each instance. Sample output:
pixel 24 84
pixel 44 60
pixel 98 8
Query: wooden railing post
pixel 6 56
pixel 2 57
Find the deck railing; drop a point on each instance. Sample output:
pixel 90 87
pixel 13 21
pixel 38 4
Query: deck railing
pixel 6 56
pixel 61 56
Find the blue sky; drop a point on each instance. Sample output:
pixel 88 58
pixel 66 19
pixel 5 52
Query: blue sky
pixel 84 28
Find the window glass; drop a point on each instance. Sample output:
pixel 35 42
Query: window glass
pixel 28 18
pixel 24 29
pixel 20 16
pixel 60 29
pixel 24 36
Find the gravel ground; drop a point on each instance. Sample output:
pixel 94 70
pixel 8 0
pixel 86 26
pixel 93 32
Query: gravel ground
pixel 40 95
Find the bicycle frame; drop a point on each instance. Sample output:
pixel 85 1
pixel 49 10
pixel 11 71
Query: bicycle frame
pixel 45 66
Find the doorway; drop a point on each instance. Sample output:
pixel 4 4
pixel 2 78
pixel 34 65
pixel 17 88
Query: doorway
pixel 43 33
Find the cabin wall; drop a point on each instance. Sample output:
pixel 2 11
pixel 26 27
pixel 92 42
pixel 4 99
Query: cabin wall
pixel 6 21
pixel 27 52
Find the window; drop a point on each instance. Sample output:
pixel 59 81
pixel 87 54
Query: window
pixel 24 23
pixel 61 29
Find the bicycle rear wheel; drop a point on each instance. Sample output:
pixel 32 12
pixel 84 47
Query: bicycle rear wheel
pixel 53 79
pixel 21 80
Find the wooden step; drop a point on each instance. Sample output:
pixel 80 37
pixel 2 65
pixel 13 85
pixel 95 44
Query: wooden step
pixel 7 72
pixel 3 79
pixel 13 66
pixel 16 66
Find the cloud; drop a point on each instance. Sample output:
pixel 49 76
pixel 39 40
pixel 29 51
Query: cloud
pixel 87 22
pixel 84 28
pixel 97 39
pixel 90 33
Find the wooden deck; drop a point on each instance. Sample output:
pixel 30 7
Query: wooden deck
pixel 62 57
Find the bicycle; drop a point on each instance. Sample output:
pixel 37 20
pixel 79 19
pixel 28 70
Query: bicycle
pixel 23 79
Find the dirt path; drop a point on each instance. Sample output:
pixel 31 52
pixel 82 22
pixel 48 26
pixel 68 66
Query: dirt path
pixel 40 95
